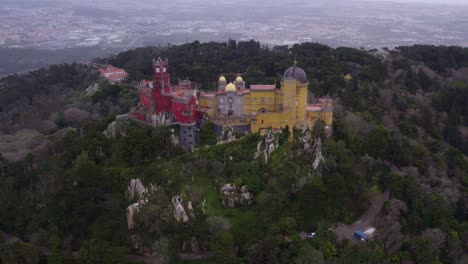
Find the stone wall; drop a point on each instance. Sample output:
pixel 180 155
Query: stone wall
pixel 189 136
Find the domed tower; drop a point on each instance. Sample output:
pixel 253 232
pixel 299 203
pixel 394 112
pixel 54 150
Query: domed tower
pixel 240 84
pixel 222 82
pixel 230 88
pixel 294 88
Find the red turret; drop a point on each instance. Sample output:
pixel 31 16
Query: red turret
pixel 161 86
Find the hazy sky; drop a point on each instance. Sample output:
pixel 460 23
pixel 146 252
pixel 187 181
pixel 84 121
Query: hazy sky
pixel 460 2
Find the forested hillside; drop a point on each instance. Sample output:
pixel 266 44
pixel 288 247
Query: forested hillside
pixel 400 128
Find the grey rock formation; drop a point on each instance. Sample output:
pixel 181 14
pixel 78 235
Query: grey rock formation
pixel 180 214
pixel 266 146
pixel 131 210
pixel 175 141
pixel 115 129
pixel 92 89
pixel 136 190
pixel 233 196
pixel 318 153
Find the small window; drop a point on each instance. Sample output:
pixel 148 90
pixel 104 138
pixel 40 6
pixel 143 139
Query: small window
pixel 158 70
pixel 247 100
pixel 270 100
pixel 164 69
pixel 254 100
pixel 262 100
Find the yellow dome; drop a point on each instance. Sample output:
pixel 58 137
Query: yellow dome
pixel 230 88
pixel 222 79
pixel 239 79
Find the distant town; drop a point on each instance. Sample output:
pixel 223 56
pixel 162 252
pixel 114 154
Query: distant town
pixel 336 24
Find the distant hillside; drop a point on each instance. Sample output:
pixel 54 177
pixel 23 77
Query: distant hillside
pixel 22 60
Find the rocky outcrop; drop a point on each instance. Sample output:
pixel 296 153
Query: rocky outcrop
pixel 266 146
pixel 131 211
pixel 174 139
pixel 191 246
pixel 233 196
pixel 180 214
pixel 227 135
pixel 92 89
pixel 115 129
pixel 318 153
pixel 311 145
pixel 136 191
pixel 306 139
pixel 160 119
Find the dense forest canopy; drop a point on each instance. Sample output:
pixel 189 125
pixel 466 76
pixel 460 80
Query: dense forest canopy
pixel 399 129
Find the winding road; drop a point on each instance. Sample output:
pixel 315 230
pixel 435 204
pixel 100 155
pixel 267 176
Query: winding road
pixel 366 220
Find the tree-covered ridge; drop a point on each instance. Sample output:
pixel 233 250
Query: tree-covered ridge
pixel 28 99
pixel 440 58
pixel 398 127
pixel 203 63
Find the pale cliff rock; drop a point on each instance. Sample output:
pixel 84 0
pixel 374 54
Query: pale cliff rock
pixel 135 189
pixel 318 153
pixel 115 129
pixel 266 146
pixel 175 141
pixel 179 211
pixel 234 196
pixel 227 135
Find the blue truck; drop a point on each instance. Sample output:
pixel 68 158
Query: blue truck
pixel 359 235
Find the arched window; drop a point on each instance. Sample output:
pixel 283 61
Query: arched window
pixel 254 100
pixel 262 100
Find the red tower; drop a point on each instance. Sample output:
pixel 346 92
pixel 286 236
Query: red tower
pixel 161 86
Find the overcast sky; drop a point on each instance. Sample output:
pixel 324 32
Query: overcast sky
pixel 461 2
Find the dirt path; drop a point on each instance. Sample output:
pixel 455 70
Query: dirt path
pixel 366 220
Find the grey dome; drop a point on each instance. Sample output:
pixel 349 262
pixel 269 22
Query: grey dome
pixel 295 73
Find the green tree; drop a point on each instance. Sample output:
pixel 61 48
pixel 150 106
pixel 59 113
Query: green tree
pixel 207 135
pixel 68 257
pixel 308 255
pixel 378 143
pixel 424 80
pixel 56 255
pixel 222 246
pixel 98 251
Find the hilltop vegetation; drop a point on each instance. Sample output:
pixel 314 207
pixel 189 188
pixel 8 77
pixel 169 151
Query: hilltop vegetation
pixel 399 126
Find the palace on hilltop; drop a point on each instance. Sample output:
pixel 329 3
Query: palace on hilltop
pixel 233 106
